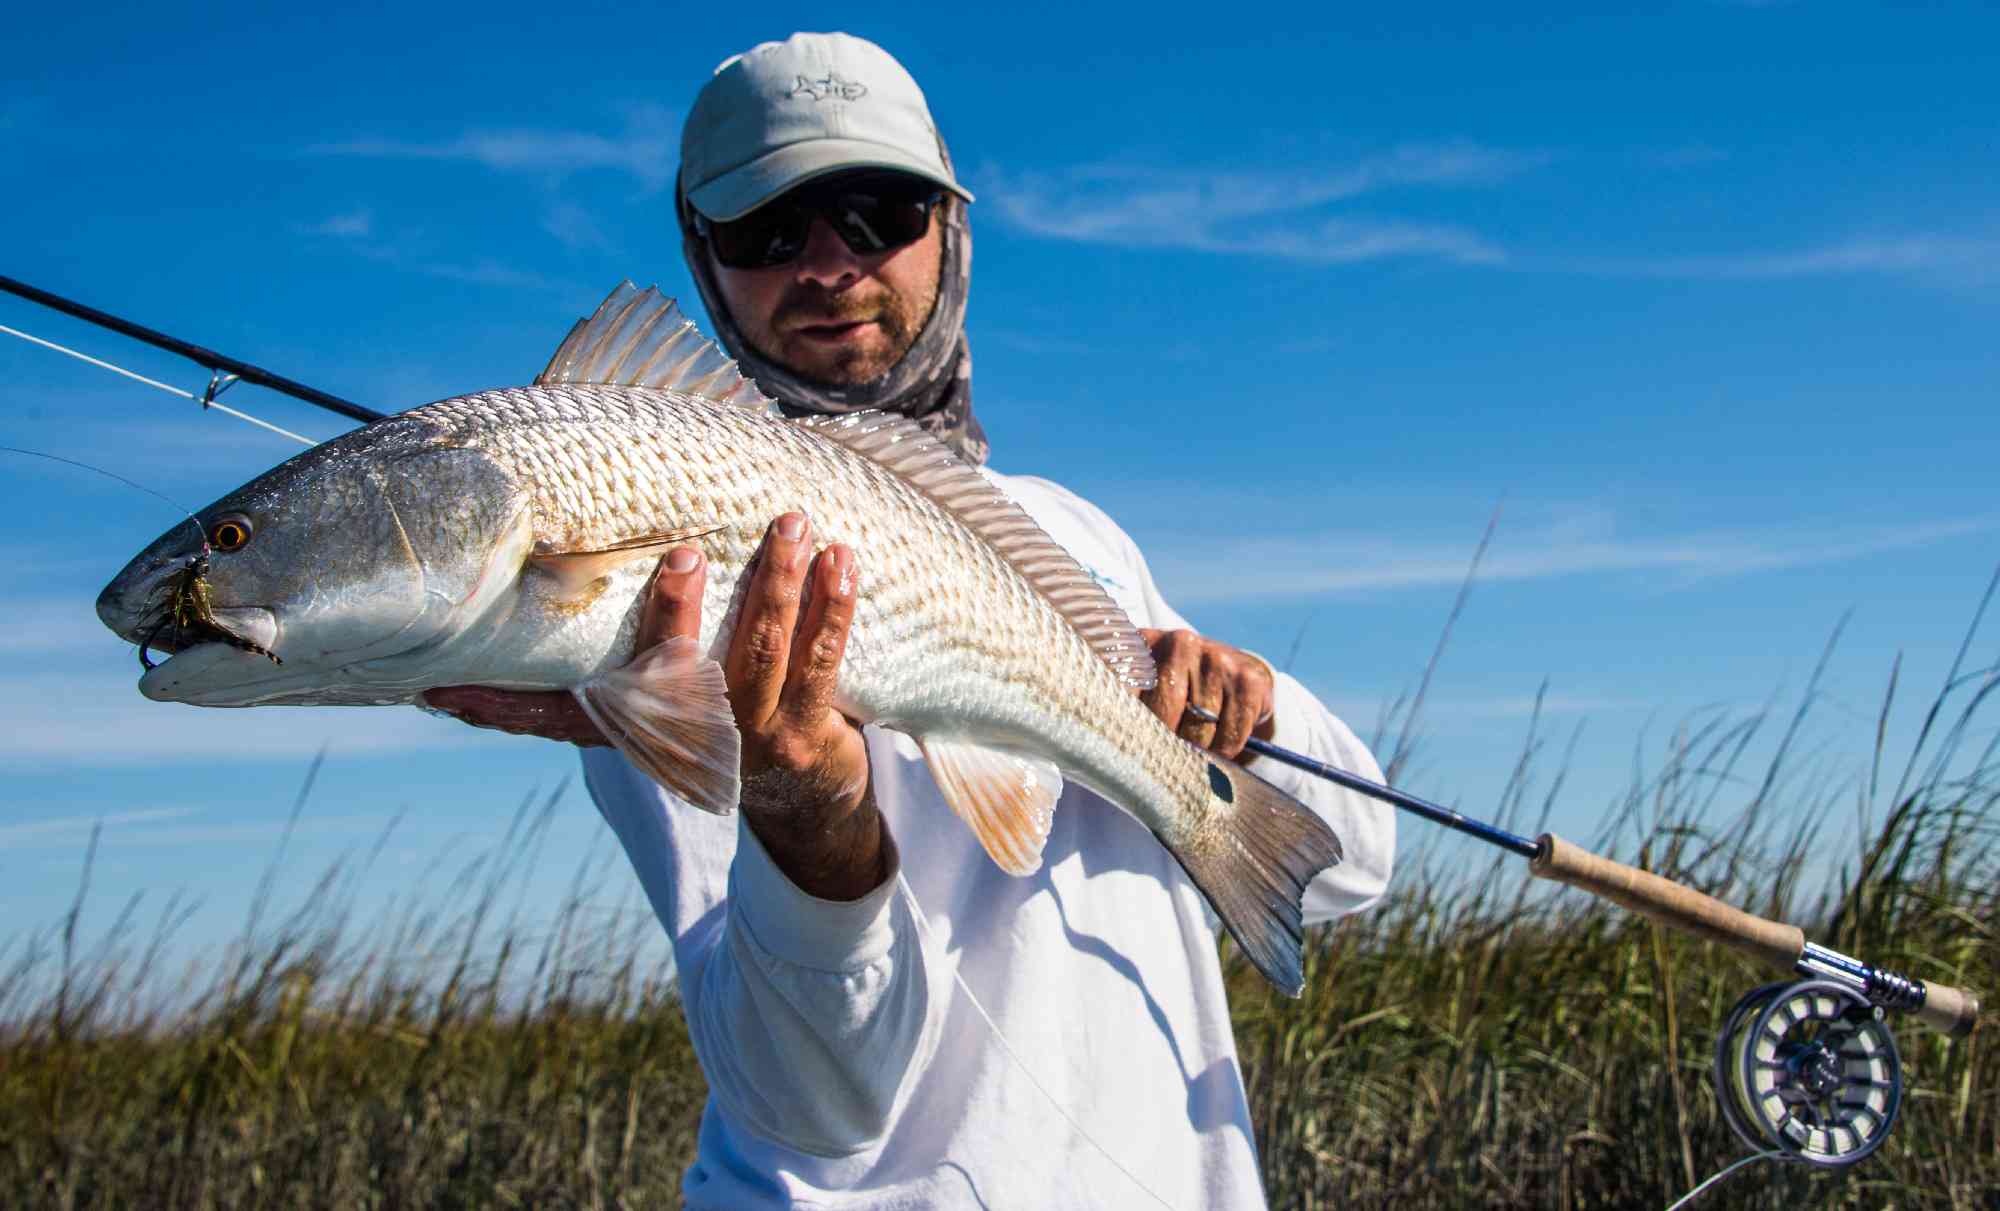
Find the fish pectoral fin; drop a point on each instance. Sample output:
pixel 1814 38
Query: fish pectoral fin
pixel 668 712
pixel 1009 800
pixel 576 571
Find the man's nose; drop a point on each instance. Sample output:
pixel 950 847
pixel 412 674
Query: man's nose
pixel 826 259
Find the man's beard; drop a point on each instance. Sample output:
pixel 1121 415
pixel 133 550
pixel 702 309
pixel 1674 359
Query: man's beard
pixel 899 318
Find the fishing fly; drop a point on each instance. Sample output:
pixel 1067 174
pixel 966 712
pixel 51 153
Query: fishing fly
pixel 191 613
pixel 189 608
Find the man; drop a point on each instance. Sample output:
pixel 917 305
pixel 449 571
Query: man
pixel 827 232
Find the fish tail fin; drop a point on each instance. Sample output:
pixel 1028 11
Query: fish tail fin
pixel 1253 860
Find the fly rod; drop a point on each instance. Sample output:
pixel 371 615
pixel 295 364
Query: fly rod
pixel 208 359
pixel 1806 1067
pixel 1939 1006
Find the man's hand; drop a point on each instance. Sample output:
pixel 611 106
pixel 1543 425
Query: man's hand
pixel 806 789
pixel 805 766
pixel 1227 682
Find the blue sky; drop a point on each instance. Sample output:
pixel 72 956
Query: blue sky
pixel 1701 299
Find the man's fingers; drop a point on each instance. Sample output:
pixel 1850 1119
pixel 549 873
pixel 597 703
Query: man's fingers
pixel 1231 686
pixel 1204 691
pixel 814 666
pixel 673 606
pixel 762 644
pixel 1241 707
pixel 1176 659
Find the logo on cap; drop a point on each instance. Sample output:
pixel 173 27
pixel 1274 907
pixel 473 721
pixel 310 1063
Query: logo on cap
pixel 826 86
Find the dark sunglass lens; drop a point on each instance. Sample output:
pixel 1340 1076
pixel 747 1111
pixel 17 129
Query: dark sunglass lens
pixel 872 214
pixel 878 220
pixel 769 235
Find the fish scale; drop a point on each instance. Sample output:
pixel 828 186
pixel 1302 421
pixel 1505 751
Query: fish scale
pixel 507 538
pixel 1002 665
pixel 998 658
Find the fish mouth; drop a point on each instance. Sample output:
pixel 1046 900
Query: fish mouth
pixel 252 629
pixel 210 674
pixel 221 674
pixel 133 603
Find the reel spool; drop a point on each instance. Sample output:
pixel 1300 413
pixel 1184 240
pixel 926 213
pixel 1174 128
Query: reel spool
pixel 1810 1069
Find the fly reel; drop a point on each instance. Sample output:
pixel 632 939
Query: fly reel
pixel 1809 1069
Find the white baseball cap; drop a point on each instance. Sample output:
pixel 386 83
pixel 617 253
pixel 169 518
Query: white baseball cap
pixel 782 113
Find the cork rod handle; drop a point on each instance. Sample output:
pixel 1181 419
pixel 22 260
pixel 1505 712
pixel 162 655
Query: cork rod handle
pixel 1667 902
pixel 1952 1011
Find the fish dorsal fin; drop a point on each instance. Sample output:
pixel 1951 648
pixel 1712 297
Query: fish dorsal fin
pixel 639 338
pixel 903 447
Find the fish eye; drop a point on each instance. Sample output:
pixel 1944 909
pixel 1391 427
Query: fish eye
pixel 230 533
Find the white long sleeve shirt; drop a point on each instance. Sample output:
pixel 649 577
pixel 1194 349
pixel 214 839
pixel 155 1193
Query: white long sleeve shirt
pixel 845 1067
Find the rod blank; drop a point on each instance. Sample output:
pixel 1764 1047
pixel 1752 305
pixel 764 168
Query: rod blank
pixel 194 353
pixel 1388 794
pixel 1943 1008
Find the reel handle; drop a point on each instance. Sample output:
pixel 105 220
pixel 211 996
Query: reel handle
pixel 1949 1010
pixel 1946 1009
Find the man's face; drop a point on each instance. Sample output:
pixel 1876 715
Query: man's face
pixel 833 315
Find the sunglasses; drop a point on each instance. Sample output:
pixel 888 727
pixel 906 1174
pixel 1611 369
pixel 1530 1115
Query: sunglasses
pixel 873 212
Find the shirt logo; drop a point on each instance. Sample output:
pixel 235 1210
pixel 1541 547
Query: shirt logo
pixel 1108 583
pixel 826 86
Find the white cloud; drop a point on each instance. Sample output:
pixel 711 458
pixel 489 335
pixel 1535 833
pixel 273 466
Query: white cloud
pixel 1943 257
pixel 1312 565
pixel 1301 216
pixel 486 272
pixel 1444 711
pixel 1521 706
pixel 413 252
pixel 1268 214
pixel 647 150
pixel 153 827
pixel 247 832
pixel 56 625
pixel 56 830
pixel 1340 241
pixel 574 226
pixel 355 224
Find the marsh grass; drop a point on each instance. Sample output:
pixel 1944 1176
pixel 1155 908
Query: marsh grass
pixel 1488 1041
pixel 1475 1042
pixel 442 1055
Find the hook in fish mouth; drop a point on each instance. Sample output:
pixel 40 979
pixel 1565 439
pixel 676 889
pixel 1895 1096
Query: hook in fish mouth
pixel 191 614
pixel 151 637
pixel 186 636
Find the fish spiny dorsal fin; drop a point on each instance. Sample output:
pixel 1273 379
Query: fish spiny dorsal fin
pixel 639 338
pixel 901 446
